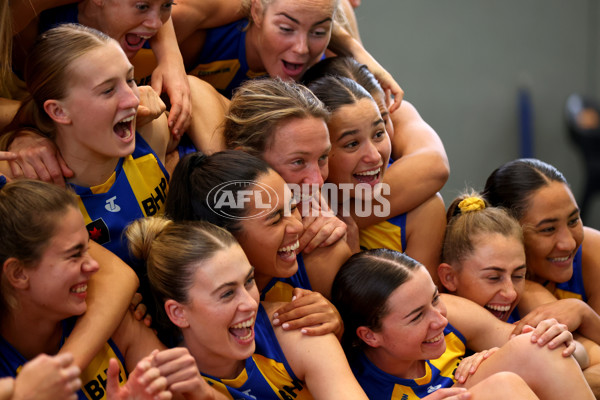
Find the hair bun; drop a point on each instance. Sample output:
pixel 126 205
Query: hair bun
pixel 471 204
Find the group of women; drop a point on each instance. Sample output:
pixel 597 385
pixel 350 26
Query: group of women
pixel 279 213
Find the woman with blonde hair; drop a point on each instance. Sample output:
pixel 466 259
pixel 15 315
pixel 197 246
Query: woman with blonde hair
pixel 206 286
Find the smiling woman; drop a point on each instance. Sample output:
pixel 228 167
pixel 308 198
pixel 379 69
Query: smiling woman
pixel 561 252
pixel 359 157
pixel 206 284
pixel 46 277
pixel 269 239
pixel 384 295
pixel 83 96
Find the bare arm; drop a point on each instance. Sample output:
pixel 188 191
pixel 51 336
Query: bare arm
pixel 344 44
pixel 482 330
pixel 320 362
pixel 208 117
pixel 591 267
pixel 425 228
pixel 156 133
pixel 538 304
pixel 192 15
pixel 104 313
pixel 170 77
pixel 323 263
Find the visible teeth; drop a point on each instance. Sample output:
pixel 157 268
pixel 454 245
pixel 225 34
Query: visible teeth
pixel 435 339
pixel 291 247
pixel 498 308
pixel 560 259
pixel 245 324
pixel 372 172
pixel 145 37
pixel 80 289
pixel 125 120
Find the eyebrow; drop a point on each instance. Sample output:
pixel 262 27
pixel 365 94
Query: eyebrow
pixel 73 249
pixel 355 131
pixel 274 213
pixel 298 22
pixel 109 80
pixel 550 220
pixel 419 309
pixel 233 283
pixel 498 269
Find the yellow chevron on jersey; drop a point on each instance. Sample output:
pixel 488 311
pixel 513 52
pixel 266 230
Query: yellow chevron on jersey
pixel 403 393
pixel 218 73
pixel 455 351
pixel 281 289
pixel 279 292
pixel 390 234
pixel 565 294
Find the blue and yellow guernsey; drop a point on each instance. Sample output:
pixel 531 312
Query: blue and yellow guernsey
pixel 267 374
pixel 222 61
pixel 136 189
pixel 390 234
pixel 280 289
pixel 439 373
pixel 93 378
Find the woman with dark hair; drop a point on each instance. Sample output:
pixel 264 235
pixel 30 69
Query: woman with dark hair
pixel 384 295
pixel 359 159
pixel 243 194
pixel 539 197
pixel 420 165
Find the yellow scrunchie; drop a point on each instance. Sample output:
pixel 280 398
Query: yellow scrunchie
pixel 471 204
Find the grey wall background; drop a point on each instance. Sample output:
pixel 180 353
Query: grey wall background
pixel 461 63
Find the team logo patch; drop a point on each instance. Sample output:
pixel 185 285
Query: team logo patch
pixel 98 231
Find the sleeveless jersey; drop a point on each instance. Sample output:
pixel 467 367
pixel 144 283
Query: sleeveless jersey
pixel 280 289
pixel 438 373
pixel 267 374
pixel 390 234
pixel 93 378
pixel 222 61
pixel 137 188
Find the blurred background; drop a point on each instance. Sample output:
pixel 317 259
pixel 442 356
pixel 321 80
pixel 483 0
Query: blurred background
pixel 492 78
